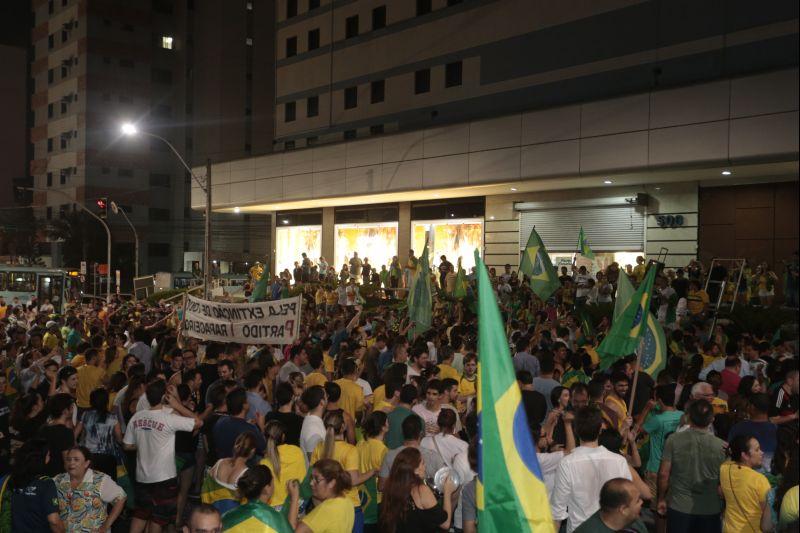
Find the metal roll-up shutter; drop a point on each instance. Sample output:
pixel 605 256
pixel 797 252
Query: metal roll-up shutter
pixel 607 228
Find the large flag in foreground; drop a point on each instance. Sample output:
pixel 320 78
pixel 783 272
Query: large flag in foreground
pixel 537 266
pixel 583 246
pixel 511 494
pixel 628 329
pixel 653 356
pixel 420 304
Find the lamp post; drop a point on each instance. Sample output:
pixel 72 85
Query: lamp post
pixel 130 130
pixel 116 209
pixel 103 222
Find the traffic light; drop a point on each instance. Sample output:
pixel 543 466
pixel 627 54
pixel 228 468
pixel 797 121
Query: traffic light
pixel 102 205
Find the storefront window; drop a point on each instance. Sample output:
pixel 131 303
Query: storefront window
pixel 452 238
pixel 600 262
pixel 292 241
pixel 375 241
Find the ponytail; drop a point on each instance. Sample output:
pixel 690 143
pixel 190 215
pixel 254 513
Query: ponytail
pixel 275 434
pixel 334 426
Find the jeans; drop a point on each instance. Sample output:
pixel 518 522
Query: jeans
pixel 678 522
pixel 358 523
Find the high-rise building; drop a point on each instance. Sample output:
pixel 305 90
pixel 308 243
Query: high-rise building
pixel 100 64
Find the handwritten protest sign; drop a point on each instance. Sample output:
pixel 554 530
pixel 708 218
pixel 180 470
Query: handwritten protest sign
pixel 274 322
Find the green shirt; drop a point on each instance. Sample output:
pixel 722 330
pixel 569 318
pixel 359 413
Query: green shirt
pixel 394 437
pixel 695 457
pixel 595 525
pixel 659 426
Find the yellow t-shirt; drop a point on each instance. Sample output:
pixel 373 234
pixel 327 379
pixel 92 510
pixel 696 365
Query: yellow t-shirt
pixel 639 272
pixel 370 454
pixel 328 362
pixel 379 395
pixel 78 361
pixel 49 340
pixel 334 515
pixel 90 377
pixel 319 296
pixel 384 406
pixel 719 405
pixel 293 466
pixel 331 298
pixel 315 378
pixel 466 386
pixel 346 455
pixel 352 400
pixel 744 490
pixel 116 365
pixel 696 301
pixel 447 371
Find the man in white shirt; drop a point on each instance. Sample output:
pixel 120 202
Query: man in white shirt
pixel 430 409
pixel 313 430
pixel 151 432
pixel 299 358
pixel 581 474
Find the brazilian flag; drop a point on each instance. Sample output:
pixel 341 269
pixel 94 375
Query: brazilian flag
pixel 255 516
pixel 628 329
pixel 583 246
pixel 653 357
pixel 511 494
pixel 259 293
pixel 460 290
pixel 536 265
pixel 420 303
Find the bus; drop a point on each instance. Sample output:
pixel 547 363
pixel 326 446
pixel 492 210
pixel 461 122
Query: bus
pixel 28 282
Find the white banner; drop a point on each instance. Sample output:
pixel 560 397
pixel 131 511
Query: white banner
pixel 274 322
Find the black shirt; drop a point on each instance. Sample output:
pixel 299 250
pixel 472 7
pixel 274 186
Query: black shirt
pixel 59 439
pixel 32 505
pixel 292 422
pixel 535 408
pixel 681 286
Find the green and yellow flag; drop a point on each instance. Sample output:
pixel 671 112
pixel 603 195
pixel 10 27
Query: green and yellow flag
pixel 259 293
pixel 511 494
pixel 460 290
pixel 583 246
pixel 537 266
pixel 653 356
pixel 628 329
pixel 420 303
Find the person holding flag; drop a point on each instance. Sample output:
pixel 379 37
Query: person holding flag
pixel 511 494
pixel 420 302
pixel 583 246
pixel 536 264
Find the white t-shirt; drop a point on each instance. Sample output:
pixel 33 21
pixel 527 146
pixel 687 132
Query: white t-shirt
pixel 448 446
pixel 153 433
pixel 429 417
pixel 548 464
pixel 365 386
pixel 312 433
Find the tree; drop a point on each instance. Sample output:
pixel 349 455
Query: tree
pixel 20 235
pixel 83 239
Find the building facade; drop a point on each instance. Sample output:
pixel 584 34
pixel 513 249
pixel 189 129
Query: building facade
pixel 613 115
pixel 100 64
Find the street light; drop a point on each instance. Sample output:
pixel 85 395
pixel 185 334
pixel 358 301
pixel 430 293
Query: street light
pixel 115 208
pixel 103 222
pixel 131 130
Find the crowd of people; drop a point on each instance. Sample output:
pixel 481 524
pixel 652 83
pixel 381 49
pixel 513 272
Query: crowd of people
pixel 110 417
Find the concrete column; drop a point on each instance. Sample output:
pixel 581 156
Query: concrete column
pixel 273 244
pixel 404 232
pixel 328 236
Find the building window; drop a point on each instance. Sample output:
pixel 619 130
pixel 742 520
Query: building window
pixel 423 7
pixel 378 18
pixel 350 97
pixel 291 46
pixel 289 111
pixel 376 91
pixel 49 144
pixel 452 74
pixel 313 4
pixel 126 63
pixel 289 145
pixel 249 41
pixel 64 72
pixel 49 110
pixel 351 27
pixel 49 213
pixel 64 36
pixel 291 8
pixel 312 106
pixel 313 39
pixel 154 213
pixel 63 107
pixel 49 179
pixel 376 129
pixel 349 135
pixel 51 41
pixel 311 141
pixel 63 143
pixel 166 42
pixel 50 76
pixel 125 172
pixel 62 177
pixel 422 81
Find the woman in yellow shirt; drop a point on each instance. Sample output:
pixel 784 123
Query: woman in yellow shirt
pixel 371 452
pixel 285 461
pixel 330 484
pixel 744 489
pixel 335 447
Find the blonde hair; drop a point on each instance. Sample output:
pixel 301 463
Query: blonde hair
pixel 276 434
pixel 334 425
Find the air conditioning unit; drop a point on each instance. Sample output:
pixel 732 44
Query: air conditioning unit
pixel 68 25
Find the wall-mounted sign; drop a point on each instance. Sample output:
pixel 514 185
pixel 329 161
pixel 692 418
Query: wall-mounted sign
pixel 669 221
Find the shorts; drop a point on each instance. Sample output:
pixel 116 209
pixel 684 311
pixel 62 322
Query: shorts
pixel 156 502
pixel 185 460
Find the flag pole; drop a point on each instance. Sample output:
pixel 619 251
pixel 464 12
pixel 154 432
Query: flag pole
pixel 635 376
